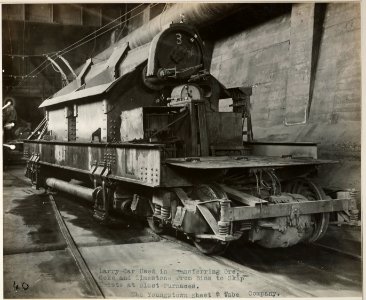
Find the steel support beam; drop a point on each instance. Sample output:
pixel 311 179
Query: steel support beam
pixel 68 65
pixel 59 69
pixel 284 209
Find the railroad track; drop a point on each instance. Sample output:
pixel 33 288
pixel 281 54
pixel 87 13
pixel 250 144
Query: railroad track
pixel 236 266
pixel 271 272
pixel 338 251
pixel 82 265
pixel 291 270
pixel 238 263
pixel 317 244
pixel 96 288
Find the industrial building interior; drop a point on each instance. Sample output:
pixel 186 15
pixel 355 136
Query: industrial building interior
pixel 302 64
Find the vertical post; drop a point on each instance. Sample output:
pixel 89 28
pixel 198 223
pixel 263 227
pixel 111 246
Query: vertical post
pixel 201 112
pixel 194 128
pixel 51 14
pixel 300 56
pixel 81 15
pixel 23 12
pixel 100 16
pixel 224 224
pixel 241 104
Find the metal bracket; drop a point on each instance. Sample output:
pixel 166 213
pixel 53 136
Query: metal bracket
pixel 135 202
pixel 99 172
pixel 118 55
pixel 210 219
pixel 179 217
pixel 187 202
pixel 294 215
pixel 64 77
pixel 68 65
pixel 33 170
pixel 81 77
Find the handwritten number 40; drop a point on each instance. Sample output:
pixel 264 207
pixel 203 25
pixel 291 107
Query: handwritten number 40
pixel 24 286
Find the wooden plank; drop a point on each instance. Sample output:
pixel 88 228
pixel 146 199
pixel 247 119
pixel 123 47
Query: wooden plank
pixel 242 197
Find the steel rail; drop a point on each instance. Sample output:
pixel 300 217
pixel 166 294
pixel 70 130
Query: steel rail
pixel 82 265
pixel 338 251
pixel 241 268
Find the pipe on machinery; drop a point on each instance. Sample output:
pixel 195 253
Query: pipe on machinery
pixel 76 190
pixel 197 14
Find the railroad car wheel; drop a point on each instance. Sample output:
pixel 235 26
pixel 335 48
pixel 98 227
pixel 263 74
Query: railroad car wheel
pixel 205 192
pixel 313 192
pixel 156 225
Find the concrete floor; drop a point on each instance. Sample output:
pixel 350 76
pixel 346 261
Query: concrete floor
pixel 309 268
pixel 36 257
pixel 127 260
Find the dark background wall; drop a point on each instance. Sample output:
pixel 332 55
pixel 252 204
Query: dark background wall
pixel 277 59
pixel 30 30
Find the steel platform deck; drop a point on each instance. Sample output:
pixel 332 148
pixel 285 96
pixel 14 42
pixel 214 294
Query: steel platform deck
pixel 225 162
